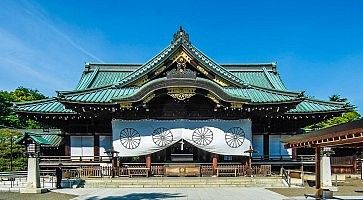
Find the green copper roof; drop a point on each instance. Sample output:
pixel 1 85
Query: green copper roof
pixel 101 95
pixel 261 96
pixel 104 74
pixel 52 138
pixel 316 106
pixel 103 83
pixel 169 51
pixel 38 139
pixel 49 106
pixel 107 94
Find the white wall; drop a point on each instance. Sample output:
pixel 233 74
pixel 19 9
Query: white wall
pixel 82 146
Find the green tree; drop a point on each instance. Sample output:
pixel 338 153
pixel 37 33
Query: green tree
pixel 26 94
pixel 344 118
pixel 11 154
pixel 7 116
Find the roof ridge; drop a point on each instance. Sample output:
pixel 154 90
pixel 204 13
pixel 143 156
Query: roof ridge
pixel 62 93
pixel 110 64
pixel 166 50
pixel 92 78
pixel 189 45
pixel 268 77
pixel 276 90
pixel 249 64
pixel 139 64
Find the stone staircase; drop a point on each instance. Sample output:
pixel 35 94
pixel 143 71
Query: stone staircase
pixel 184 182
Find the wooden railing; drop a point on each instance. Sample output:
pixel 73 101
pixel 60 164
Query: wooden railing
pixel 240 169
pixel 206 170
pixel 159 170
pixel 264 170
pixel 305 158
pixel 18 179
pixel 62 159
pixel 286 176
pixel 344 165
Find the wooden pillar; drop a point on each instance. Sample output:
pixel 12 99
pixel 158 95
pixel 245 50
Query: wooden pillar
pixel 214 163
pixel 317 167
pixel 148 162
pixel 266 146
pixel 354 164
pixel 294 153
pixel 96 147
pixel 114 166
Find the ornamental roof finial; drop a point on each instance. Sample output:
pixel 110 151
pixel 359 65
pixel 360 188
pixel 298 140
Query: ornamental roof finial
pixel 180 34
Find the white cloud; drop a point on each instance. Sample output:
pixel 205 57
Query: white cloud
pixel 35 52
pixel 39 14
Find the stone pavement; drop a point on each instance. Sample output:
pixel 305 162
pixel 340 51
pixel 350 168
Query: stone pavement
pixel 173 193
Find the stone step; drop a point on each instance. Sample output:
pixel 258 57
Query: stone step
pixel 139 180
pixel 182 186
pixel 183 182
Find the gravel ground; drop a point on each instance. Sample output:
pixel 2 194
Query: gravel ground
pixel 45 196
pixel 347 188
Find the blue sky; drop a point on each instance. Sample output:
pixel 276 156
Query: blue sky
pixel 318 46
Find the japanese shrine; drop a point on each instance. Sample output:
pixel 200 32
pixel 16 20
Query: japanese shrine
pixel 180 112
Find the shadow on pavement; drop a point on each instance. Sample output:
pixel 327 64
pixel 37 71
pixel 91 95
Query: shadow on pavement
pixel 139 196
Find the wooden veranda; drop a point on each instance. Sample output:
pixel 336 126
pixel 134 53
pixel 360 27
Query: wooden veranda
pixel 348 135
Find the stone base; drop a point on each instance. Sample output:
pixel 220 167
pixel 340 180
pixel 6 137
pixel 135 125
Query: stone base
pixel 330 188
pixel 324 194
pixel 33 190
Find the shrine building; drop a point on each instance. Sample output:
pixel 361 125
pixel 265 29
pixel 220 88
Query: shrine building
pixel 181 106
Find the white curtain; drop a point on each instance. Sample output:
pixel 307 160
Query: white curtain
pixel 258 145
pixel 105 144
pixel 76 145
pixel 141 137
pixel 277 147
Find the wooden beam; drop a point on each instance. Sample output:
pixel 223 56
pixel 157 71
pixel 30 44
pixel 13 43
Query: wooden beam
pixel 67 148
pixel 96 147
pixel 343 140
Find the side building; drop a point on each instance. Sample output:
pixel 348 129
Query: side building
pixel 180 106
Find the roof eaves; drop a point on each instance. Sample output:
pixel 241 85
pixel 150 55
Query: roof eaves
pixel 34 101
pixel 46 113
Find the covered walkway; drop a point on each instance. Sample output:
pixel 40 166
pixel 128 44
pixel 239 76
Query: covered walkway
pixel 348 135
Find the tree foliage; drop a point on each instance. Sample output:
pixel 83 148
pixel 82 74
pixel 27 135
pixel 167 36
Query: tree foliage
pixel 344 118
pixel 7 116
pixel 8 149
